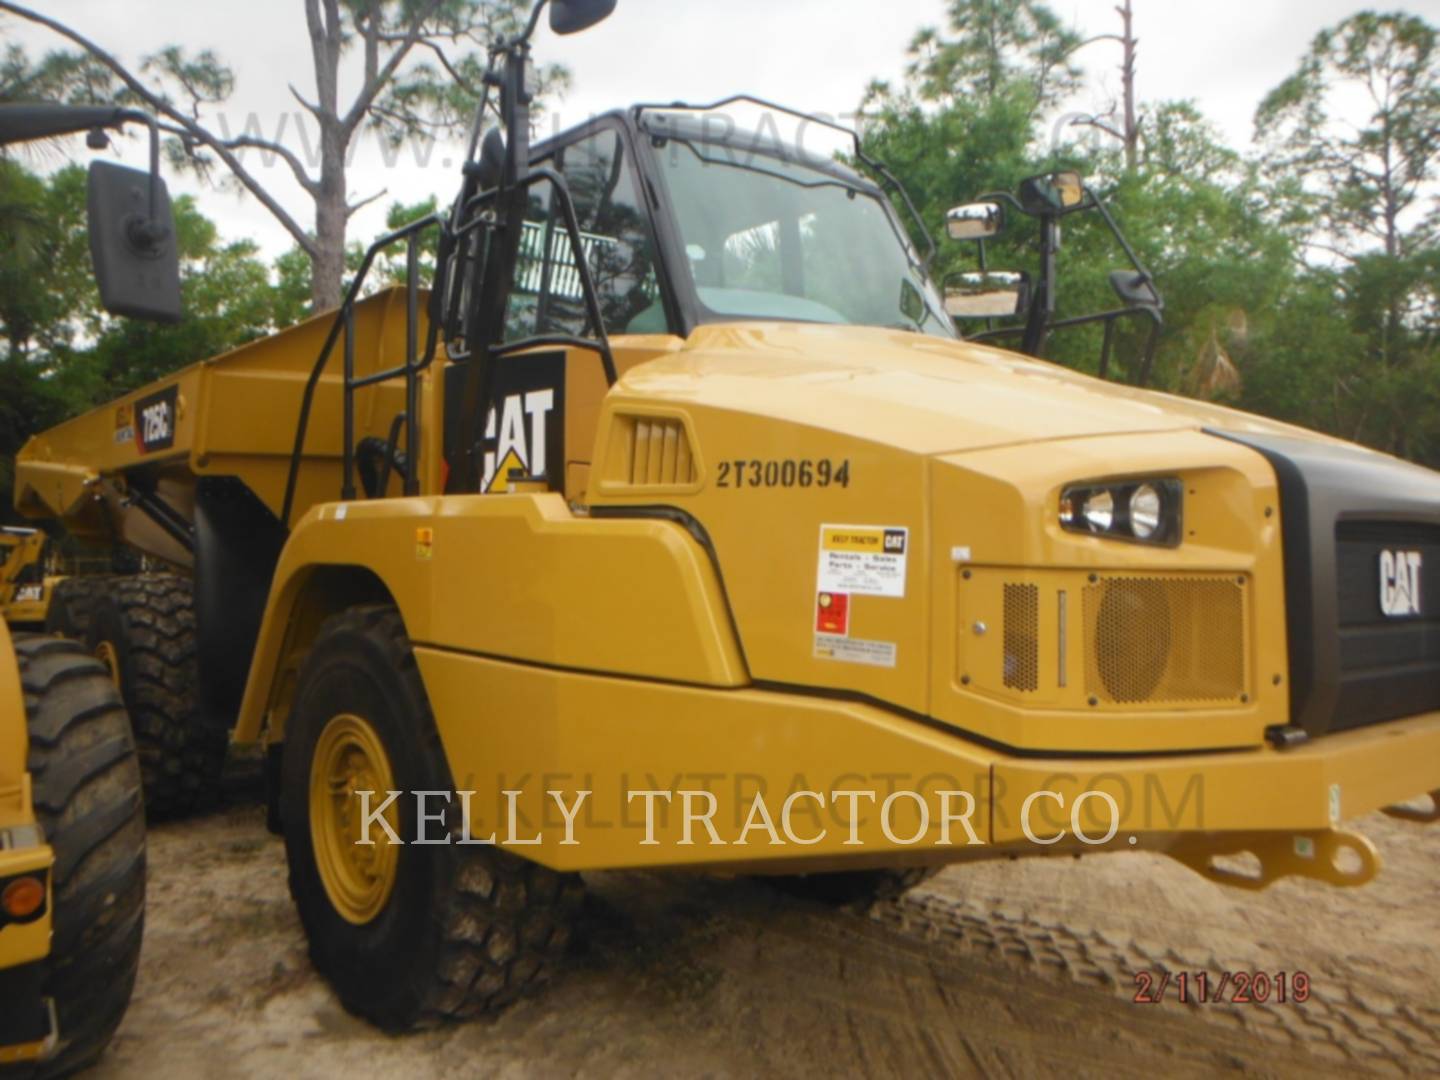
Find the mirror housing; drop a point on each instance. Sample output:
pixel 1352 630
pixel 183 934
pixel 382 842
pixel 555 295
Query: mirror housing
pixel 1052 192
pixel 573 16
pixel 987 294
pixel 132 243
pixel 975 221
pixel 1135 289
pixel 492 159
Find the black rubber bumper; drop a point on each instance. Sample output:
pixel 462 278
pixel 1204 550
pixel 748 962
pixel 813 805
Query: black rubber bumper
pixel 23 1017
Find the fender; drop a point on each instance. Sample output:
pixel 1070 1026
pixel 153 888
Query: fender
pixel 513 577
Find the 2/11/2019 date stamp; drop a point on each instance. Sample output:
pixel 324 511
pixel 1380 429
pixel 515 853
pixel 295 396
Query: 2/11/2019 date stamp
pixel 1222 988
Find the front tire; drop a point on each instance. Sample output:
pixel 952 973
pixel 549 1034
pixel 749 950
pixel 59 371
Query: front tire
pixel 409 936
pixel 87 799
pixel 143 629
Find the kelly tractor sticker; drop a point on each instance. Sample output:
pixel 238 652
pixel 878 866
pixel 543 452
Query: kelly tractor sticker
pixel 857 560
pixel 863 560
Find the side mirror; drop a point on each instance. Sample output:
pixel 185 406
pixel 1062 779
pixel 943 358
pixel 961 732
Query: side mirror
pixel 1051 192
pixel 1135 289
pixel 573 16
pixel 132 243
pixel 492 159
pixel 987 294
pixel 975 221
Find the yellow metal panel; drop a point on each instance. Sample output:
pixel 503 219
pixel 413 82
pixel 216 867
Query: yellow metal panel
pixel 14 738
pixel 518 576
pixel 508 726
pixel 996 514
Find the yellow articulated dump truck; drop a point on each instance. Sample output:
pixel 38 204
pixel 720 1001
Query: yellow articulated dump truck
pixel 72 825
pixel 676 526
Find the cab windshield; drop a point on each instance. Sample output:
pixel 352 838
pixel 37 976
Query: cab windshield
pixel 767 238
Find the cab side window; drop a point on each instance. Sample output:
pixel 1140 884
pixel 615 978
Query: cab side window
pixel 547 297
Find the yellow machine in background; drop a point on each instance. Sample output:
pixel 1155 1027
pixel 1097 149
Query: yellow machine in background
pixel 25 588
pixel 679 495
pixel 72 824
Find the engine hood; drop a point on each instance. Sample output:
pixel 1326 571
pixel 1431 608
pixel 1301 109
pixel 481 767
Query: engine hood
pixel 914 392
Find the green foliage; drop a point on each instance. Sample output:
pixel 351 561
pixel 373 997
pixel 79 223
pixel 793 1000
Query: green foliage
pixel 61 354
pixel 1300 279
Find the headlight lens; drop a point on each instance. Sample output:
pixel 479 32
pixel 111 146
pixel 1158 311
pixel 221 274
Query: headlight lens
pixel 1100 510
pixel 1143 511
pixel 1146 509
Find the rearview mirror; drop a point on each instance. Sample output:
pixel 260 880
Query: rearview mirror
pixel 1051 192
pixel 1134 289
pixel 975 221
pixel 573 16
pixel 132 243
pixel 987 294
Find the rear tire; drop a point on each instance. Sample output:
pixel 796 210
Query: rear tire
pixel 449 932
pixel 143 628
pixel 71 604
pixel 87 799
pixel 851 888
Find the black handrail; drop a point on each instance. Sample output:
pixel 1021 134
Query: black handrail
pixel 345 319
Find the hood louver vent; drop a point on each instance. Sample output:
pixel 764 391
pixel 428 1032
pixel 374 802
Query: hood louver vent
pixel 651 452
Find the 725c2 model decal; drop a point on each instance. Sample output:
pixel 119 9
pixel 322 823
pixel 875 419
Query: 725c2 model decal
pixel 788 473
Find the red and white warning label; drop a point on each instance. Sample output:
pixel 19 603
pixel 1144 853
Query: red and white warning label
pixel 832 614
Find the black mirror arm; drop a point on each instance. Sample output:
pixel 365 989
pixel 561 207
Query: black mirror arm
pixel 1129 251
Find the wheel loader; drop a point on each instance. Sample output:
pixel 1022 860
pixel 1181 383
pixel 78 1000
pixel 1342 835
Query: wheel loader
pixel 677 526
pixel 72 826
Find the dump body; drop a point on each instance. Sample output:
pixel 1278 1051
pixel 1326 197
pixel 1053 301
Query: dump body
pixel 231 416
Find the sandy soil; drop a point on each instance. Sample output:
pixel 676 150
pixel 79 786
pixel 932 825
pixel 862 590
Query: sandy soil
pixel 999 969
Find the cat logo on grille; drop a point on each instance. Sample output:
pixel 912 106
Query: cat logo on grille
pixel 1400 583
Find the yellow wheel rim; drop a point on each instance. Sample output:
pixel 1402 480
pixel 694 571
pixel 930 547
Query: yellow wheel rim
pixel 106 654
pixel 358 876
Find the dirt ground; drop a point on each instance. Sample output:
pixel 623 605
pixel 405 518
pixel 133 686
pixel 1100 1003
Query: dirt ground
pixel 996 969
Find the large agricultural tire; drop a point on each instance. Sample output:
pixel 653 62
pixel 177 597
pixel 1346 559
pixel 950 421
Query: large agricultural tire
pixel 71 604
pixel 142 628
pixel 87 799
pixel 851 888
pixel 409 936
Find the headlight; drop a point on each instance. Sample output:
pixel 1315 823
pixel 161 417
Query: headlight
pixel 1146 511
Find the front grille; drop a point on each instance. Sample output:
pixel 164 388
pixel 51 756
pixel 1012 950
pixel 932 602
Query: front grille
pixel 1165 639
pixel 1389 663
pixel 1022 638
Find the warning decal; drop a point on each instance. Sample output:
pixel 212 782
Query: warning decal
pixel 832 614
pixel 863 560
pixel 874 653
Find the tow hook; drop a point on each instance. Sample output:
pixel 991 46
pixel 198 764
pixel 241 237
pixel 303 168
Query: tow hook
pixel 1334 856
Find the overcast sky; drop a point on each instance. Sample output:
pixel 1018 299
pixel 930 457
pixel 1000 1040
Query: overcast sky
pixel 813 54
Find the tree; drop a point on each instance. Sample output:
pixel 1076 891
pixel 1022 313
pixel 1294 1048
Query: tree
pixel 995 48
pixel 421 68
pixel 1353 140
pixel 1360 180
